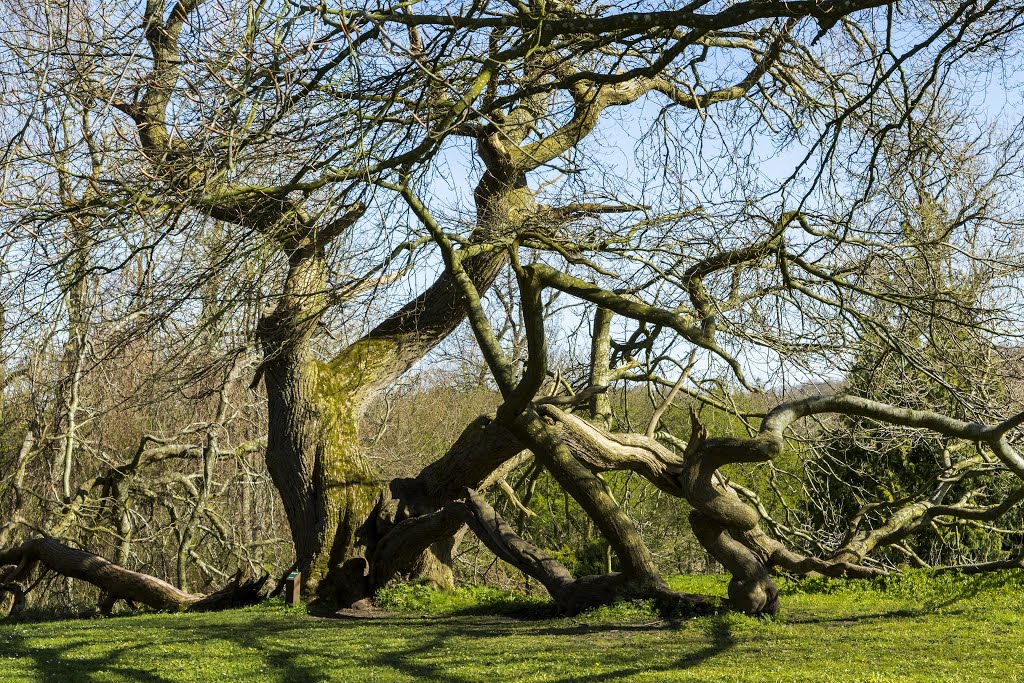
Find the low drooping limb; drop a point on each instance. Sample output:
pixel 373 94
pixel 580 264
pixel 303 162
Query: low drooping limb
pixel 723 521
pixel 570 448
pixel 572 595
pixel 118 583
pixel 1016 562
pixel 717 509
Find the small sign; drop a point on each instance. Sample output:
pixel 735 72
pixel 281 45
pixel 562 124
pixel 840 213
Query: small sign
pixel 293 589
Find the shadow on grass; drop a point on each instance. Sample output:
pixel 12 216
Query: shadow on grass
pixel 522 611
pixel 52 664
pixel 463 647
pixel 970 588
pixel 720 636
pixel 432 635
pixel 446 633
pixel 267 641
pixel 297 648
pixel 964 595
pixel 510 609
pixel 856 618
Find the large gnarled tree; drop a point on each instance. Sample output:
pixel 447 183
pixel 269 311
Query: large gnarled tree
pixel 312 131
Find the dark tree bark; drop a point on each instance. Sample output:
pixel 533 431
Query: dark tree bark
pixel 572 595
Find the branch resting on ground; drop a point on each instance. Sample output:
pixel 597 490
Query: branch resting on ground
pixel 118 583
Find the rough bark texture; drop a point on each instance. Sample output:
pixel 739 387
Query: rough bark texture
pixel 725 525
pixel 313 453
pixel 591 494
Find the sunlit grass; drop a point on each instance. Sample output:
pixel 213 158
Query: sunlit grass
pixel 915 629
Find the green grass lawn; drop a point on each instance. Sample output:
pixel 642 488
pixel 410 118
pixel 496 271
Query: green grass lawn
pixel 916 629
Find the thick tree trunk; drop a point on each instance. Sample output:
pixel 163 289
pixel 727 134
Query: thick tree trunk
pixel 331 493
pixel 435 566
pixel 327 488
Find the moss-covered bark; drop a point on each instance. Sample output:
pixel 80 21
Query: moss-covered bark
pixel 330 492
pixel 328 488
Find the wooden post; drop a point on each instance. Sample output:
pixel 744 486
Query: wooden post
pixel 293 589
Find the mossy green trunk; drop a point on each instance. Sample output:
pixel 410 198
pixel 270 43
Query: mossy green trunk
pixel 328 488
